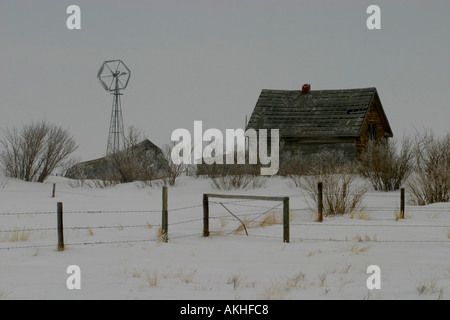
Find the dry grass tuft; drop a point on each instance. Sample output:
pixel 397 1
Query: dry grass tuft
pixel 188 276
pixel 269 220
pixel 361 215
pixel 235 279
pixel 161 237
pixel 314 252
pixel 430 287
pixel 397 215
pixel 360 238
pixel 322 279
pixel 16 236
pixel 355 249
pixel 185 276
pixel 223 223
pixel 276 291
pixel 242 226
pixel 151 278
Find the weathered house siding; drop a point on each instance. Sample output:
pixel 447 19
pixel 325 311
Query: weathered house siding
pixel 375 116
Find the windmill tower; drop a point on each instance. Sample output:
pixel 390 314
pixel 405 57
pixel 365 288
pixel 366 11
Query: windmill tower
pixel 114 76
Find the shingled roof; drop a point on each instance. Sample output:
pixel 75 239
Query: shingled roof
pixel 318 113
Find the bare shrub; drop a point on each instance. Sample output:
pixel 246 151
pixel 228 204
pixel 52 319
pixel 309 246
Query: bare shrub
pixel 233 176
pixel 296 167
pixel 138 160
pixel 3 182
pixel 127 162
pixel 238 179
pixel 171 170
pixel 430 182
pixel 35 151
pixel 341 193
pixel 384 166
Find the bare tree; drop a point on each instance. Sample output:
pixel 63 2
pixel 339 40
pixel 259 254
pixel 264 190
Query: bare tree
pixel 171 169
pixel 58 146
pixel 385 166
pixel 126 161
pixel 430 182
pixel 35 151
pixel 137 161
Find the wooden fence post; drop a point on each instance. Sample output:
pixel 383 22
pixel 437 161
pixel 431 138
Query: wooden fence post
pixel 60 226
pixel 205 216
pixel 402 203
pixel 320 201
pixel 54 190
pixel 165 220
pixel 286 236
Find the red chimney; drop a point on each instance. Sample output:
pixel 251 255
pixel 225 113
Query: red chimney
pixel 306 88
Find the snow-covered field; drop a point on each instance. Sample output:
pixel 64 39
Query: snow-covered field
pixel 112 235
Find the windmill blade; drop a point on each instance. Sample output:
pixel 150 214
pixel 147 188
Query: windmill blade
pixel 123 87
pixel 106 64
pixel 103 84
pixel 110 85
pixel 118 65
pixel 100 71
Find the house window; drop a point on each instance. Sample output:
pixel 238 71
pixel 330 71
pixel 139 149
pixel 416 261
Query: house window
pixel 372 131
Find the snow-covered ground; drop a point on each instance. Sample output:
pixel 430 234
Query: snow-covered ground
pixel 112 235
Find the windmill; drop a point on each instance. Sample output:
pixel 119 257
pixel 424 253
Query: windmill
pixel 114 76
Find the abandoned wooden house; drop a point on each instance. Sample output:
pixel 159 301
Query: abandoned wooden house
pixel 312 120
pixel 143 161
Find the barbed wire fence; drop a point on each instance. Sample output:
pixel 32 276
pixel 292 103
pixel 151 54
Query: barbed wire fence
pixel 250 214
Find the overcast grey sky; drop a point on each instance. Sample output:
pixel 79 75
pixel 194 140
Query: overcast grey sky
pixel 209 60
